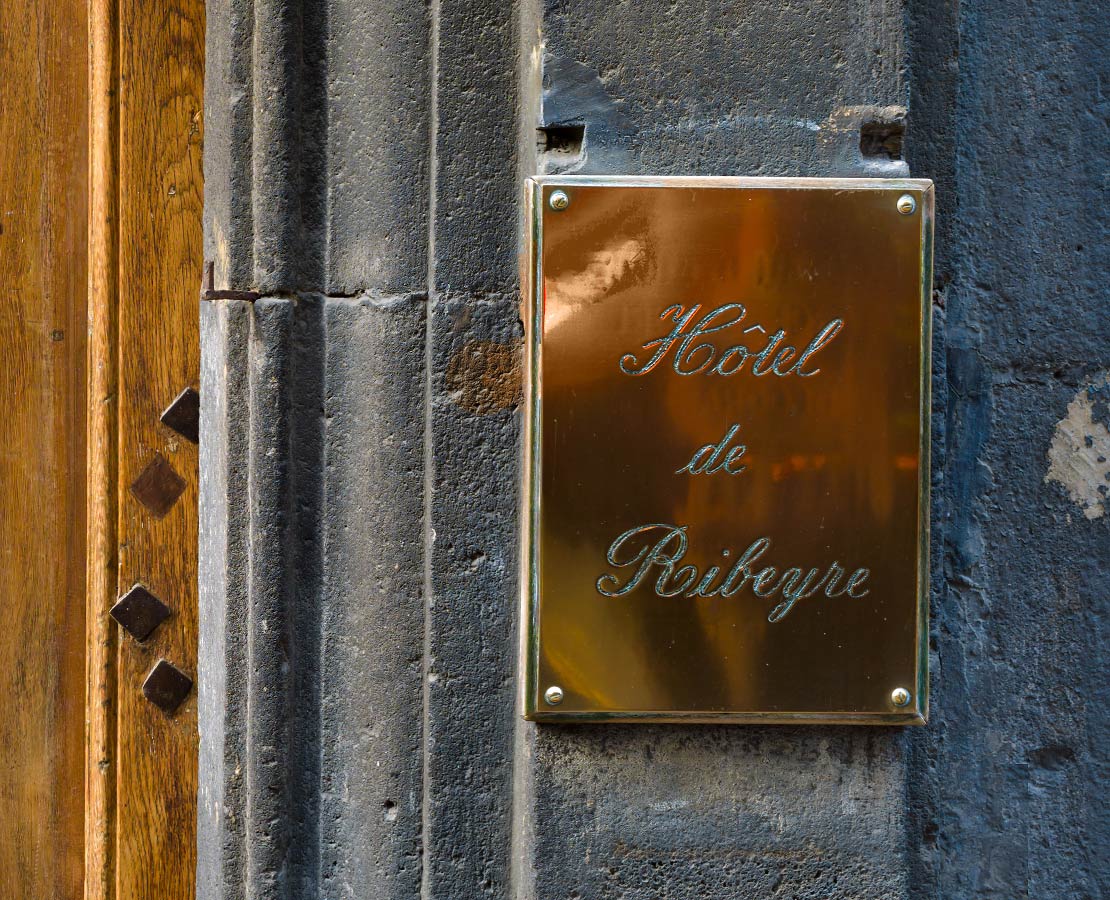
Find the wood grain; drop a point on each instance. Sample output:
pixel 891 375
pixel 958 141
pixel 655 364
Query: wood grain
pixel 43 184
pixel 160 262
pixel 103 452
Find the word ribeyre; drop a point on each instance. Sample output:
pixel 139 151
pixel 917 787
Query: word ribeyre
pixel 691 357
pixel 661 548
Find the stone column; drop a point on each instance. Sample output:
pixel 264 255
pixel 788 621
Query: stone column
pixel 361 452
pixel 314 379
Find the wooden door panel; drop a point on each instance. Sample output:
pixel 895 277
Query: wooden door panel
pixel 43 185
pixel 160 264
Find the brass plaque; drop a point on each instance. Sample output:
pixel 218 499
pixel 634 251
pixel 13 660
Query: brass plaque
pixel 726 492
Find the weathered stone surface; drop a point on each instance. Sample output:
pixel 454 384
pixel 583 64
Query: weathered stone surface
pixel 361 444
pixel 222 559
pixel 476 186
pixel 376 173
pixel 317 158
pixel 472 413
pixel 471 585
pixel 258 637
pixel 637 812
pixel 1014 743
pixel 1007 783
pixel 709 88
pixel 312 643
pixel 371 609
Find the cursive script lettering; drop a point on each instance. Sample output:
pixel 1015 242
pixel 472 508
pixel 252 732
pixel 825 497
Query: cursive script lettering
pixel 692 357
pixel 656 549
pixel 713 458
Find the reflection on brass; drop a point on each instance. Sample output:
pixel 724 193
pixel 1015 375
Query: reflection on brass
pixel 726 493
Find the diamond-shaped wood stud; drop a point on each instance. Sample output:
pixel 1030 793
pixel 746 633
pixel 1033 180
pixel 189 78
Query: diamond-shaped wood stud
pixel 166 686
pixel 183 415
pixel 158 487
pixel 139 612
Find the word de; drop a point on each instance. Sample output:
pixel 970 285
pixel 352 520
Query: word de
pixel 712 457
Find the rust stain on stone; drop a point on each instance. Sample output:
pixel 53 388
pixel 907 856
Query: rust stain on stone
pixel 484 377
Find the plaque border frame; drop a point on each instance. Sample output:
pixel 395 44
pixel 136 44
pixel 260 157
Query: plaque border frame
pixel 535 189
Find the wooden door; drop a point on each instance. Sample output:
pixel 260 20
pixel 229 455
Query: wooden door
pixel 43 190
pixel 145 229
pixel 100 265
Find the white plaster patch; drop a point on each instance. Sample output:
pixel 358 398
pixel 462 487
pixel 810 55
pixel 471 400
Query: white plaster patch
pixel 1079 458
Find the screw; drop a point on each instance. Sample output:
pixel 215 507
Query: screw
pixel 557 201
pixel 906 204
pixel 900 697
pixel 553 695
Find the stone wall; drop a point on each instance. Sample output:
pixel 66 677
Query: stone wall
pixel 361 450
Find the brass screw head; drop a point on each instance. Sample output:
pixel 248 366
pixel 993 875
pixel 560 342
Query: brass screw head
pixel 558 200
pixel 900 696
pixel 906 205
pixel 553 695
